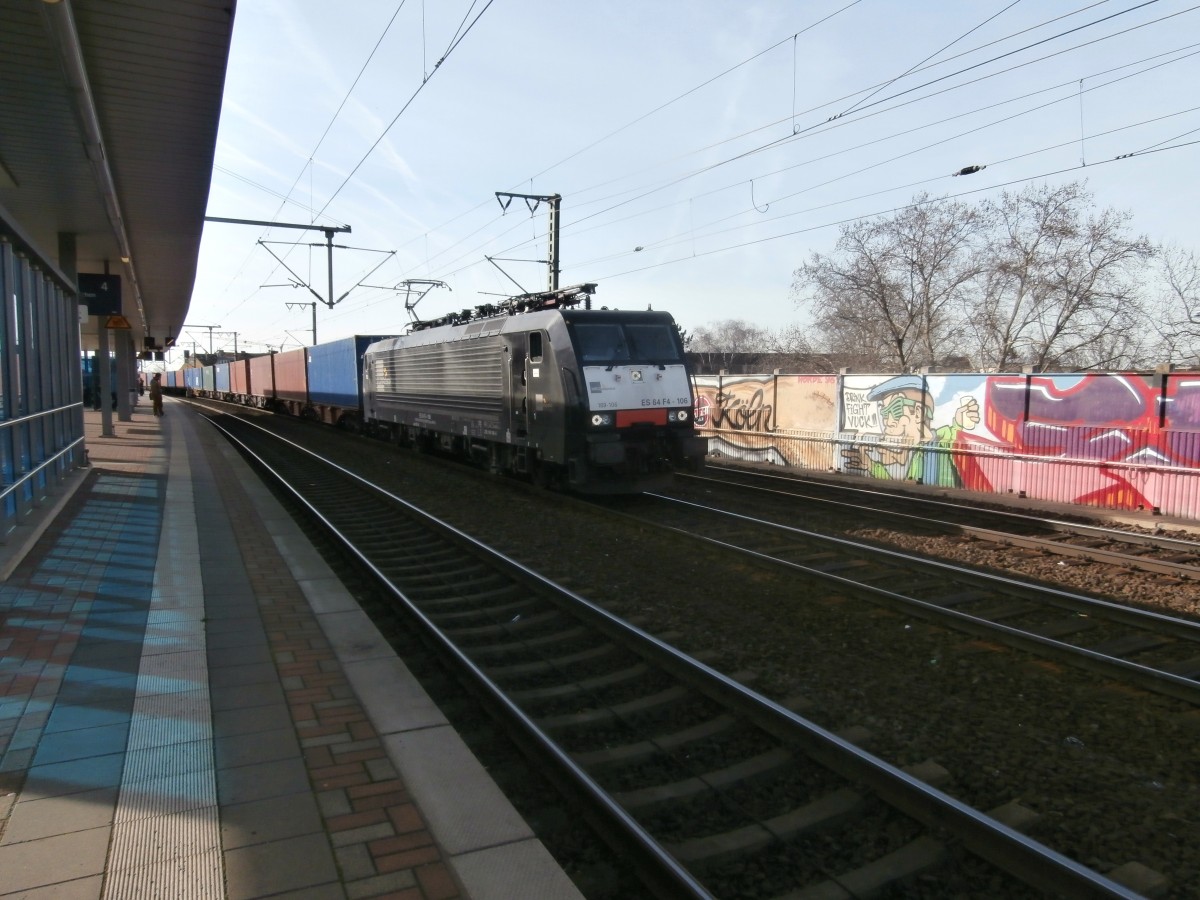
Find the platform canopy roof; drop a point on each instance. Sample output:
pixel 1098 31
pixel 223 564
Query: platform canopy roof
pixel 108 125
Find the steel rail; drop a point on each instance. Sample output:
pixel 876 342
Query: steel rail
pixel 1152 679
pixel 661 872
pixel 1096 554
pixel 1023 857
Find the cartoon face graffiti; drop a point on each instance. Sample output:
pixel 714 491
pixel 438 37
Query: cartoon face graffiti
pixel 911 448
pixel 905 415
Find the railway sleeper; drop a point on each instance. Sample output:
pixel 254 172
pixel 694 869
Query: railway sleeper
pixel 1178 558
pixel 1015 816
pixel 555 664
pixel 841 565
pixel 1000 612
pixel 874 878
pixel 958 598
pixel 823 814
pixel 508 648
pixel 646 800
pixel 412 554
pixel 563 691
pixel 1064 627
pixel 653 702
pixel 417 565
pixel 462 579
pixel 632 753
pixel 1084 543
pixel 1188 668
pixel 500 592
pixel 578 688
pixel 428 578
pixel 1130 644
pixel 504 629
pixel 920 585
pixel 883 575
pixel 514 607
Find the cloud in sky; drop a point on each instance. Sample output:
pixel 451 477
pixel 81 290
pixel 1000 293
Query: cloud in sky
pixel 698 131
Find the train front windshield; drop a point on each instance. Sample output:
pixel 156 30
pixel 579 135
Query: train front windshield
pixel 606 343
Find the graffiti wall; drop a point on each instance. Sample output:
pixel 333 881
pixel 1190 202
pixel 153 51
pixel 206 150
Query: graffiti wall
pixel 1119 440
pixel 905 426
pixel 766 418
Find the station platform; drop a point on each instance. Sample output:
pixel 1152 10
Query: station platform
pixel 192 705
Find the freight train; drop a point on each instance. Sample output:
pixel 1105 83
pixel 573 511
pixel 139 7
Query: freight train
pixel 593 401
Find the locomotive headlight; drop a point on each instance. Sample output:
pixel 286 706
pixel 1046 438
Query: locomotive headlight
pixel 600 419
pixel 677 415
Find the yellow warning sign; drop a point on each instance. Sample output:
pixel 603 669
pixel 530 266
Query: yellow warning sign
pixel 117 322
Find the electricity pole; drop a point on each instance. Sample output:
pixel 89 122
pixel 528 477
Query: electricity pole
pixel 211 329
pixel 297 281
pixel 311 303
pixel 532 201
pixel 330 231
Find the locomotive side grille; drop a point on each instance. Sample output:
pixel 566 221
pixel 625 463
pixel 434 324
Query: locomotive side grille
pixel 458 376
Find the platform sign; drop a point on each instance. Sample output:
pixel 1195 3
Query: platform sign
pixel 100 293
pixel 119 322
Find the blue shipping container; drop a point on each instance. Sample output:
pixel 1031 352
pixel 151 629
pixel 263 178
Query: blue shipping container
pixel 335 371
pixel 221 379
pixel 193 378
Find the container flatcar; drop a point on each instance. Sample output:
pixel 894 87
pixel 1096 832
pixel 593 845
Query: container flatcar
pixel 335 380
pixel 262 380
pixel 291 380
pixel 239 381
pixel 221 380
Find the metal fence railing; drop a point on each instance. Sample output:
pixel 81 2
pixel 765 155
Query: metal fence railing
pixel 1110 483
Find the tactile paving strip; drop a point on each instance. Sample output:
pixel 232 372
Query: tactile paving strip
pixel 166 839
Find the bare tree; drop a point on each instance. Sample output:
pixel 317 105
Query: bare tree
pixel 1034 278
pixel 1060 290
pixel 792 351
pixel 894 292
pixel 1174 313
pixel 718 344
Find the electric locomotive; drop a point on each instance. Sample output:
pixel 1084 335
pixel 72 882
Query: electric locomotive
pixel 595 401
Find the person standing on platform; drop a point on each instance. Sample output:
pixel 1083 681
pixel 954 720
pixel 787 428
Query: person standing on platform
pixel 156 393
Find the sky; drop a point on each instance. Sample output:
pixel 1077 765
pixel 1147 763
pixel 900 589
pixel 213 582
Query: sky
pixel 703 150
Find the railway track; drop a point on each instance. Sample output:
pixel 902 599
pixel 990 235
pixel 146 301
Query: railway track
pixel 707 787
pixel 1146 649
pixel 1155 553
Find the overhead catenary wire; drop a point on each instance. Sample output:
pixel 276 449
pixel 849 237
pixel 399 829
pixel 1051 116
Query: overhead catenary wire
pixel 444 249
pixel 939 52
pixel 459 34
pixel 954 137
pixel 692 90
pixel 459 37
pixel 572 226
pixel 883 84
pixel 895 209
pixel 873 141
pixel 677 240
pixel 836 120
pixel 287 198
pixel 842 121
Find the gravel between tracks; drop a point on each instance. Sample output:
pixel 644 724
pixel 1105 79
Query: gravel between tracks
pixel 1110 770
